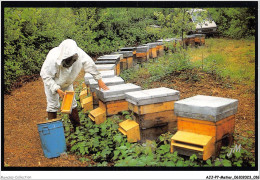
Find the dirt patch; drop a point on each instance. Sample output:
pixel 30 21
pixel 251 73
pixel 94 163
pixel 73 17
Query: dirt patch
pixel 23 109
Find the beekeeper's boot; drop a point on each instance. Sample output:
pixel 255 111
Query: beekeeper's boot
pixel 74 118
pixel 52 115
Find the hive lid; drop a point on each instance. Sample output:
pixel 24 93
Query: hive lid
pixel 141 49
pixel 207 108
pixel 116 92
pixel 125 53
pixel 128 49
pixel 108 81
pixel 104 74
pixel 152 96
pixel 104 67
pixel 111 57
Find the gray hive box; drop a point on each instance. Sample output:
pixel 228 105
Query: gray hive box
pixel 207 108
pixel 159 43
pixel 141 49
pixel 128 49
pixel 108 81
pixel 125 53
pixel 152 96
pixel 166 40
pixel 116 92
pixel 105 67
pixel 104 74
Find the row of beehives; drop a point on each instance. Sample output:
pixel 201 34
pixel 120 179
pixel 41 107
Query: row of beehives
pixel 204 123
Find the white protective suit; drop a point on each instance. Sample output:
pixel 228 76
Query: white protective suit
pixel 55 76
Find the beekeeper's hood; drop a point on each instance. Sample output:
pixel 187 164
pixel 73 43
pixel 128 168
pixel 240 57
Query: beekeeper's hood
pixel 67 48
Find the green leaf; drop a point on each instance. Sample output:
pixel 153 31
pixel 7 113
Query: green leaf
pixel 180 163
pixel 209 162
pixel 226 163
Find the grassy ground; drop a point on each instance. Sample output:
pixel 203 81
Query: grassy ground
pixel 235 59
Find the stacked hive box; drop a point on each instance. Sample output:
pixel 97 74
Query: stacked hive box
pixel 111 59
pixel 112 101
pixel 152 50
pixel 167 42
pixel 133 49
pixel 208 118
pixel 154 111
pixel 199 39
pixel 191 40
pixel 142 54
pixel 127 61
pixel 160 48
pixel 86 97
pixel 93 84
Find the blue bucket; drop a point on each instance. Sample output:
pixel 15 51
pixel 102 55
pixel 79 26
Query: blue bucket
pixel 52 138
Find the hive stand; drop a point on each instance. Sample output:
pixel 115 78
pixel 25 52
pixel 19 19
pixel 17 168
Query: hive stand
pixel 87 104
pixel 187 143
pixel 131 129
pixel 66 106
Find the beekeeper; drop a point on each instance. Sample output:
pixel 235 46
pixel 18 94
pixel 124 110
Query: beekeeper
pixel 59 70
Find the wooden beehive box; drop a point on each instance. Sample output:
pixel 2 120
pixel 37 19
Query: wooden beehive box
pixel 160 48
pixel 187 143
pixel 142 54
pixel 153 110
pixel 131 129
pixel 207 115
pixel 66 106
pixel 152 49
pixel 113 100
pixel 152 100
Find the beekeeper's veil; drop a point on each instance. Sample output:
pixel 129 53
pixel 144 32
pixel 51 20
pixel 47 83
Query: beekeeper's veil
pixel 67 48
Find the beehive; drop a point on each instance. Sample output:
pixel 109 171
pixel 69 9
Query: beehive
pixel 111 59
pixel 167 42
pixel 199 39
pixel 66 106
pixel 130 49
pixel 160 48
pixel 207 115
pixel 113 100
pixel 191 40
pixel 142 54
pixel 154 108
pixel 153 49
pixel 131 129
pixel 128 56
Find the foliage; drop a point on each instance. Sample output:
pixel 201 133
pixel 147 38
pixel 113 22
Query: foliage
pixel 235 22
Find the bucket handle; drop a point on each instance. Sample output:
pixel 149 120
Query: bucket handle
pixel 45 130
